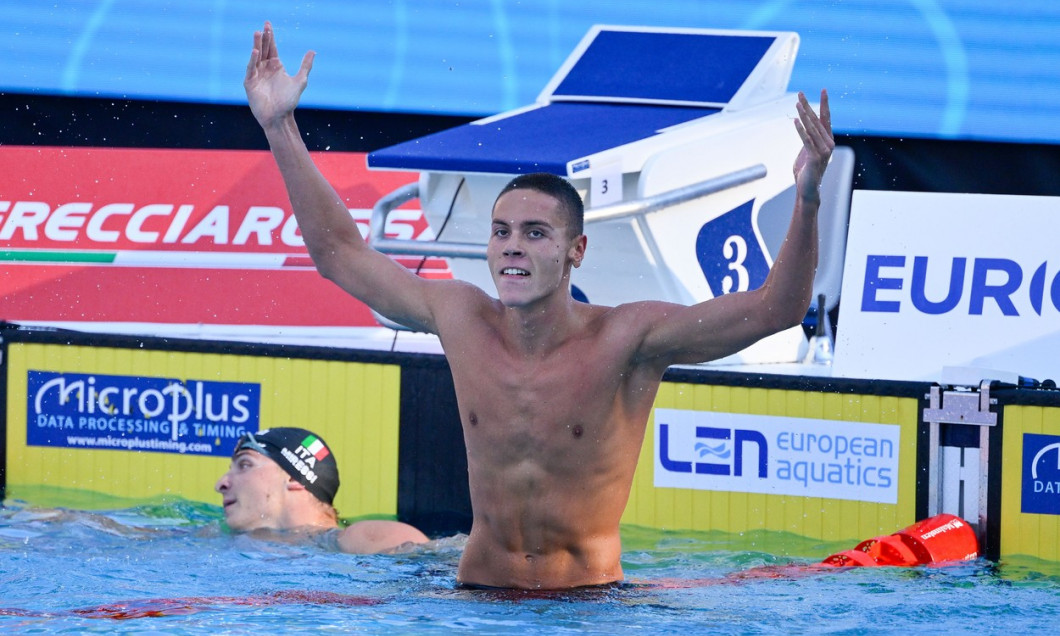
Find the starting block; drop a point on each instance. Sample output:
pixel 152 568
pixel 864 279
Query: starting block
pixel 677 139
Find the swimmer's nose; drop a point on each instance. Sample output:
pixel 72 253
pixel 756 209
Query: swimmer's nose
pixel 222 484
pixel 513 245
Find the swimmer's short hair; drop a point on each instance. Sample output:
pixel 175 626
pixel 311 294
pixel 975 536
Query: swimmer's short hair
pixel 559 189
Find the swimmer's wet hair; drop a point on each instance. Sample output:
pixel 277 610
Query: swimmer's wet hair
pixel 559 189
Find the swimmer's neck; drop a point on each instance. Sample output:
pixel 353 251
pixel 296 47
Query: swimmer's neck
pixel 291 535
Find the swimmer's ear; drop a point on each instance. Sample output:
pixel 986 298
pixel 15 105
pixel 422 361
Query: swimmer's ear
pixel 577 250
pixel 292 484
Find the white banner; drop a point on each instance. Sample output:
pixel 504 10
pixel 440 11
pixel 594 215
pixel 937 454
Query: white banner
pixel 734 452
pixel 950 280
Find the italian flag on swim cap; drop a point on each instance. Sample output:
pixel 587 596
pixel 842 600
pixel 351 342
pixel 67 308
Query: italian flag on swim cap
pixel 315 447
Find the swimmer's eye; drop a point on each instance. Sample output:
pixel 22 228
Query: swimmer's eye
pixel 500 232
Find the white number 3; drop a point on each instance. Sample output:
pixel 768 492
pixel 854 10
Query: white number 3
pixel 735 251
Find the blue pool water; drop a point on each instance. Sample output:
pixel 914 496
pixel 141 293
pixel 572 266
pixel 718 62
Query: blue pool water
pixel 174 569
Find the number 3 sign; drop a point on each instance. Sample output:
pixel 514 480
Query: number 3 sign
pixel 730 254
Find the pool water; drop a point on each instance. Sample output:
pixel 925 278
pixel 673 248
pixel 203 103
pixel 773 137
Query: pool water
pixel 174 569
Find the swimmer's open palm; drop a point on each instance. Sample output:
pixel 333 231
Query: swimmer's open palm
pixel 817 145
pixel 271 92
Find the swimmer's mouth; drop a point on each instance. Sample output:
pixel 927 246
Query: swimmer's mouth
pixel 514 271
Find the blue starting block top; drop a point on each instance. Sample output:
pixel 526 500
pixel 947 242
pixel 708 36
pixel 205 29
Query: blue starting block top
pixel 693 68
pixel 544 139
pixel 619 86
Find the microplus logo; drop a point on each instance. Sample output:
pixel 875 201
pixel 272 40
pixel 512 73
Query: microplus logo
pixel 998 283
pixel 1041 474
pixel 776 455
pixel 139 413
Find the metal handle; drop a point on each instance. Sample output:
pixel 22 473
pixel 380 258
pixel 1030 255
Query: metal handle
pixel 378 240
pixel 447 249
pixel 676 196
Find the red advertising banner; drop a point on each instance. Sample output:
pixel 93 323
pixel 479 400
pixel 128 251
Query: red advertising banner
pixel 176 236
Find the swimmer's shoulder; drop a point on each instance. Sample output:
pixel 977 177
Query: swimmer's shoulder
pixel 376 535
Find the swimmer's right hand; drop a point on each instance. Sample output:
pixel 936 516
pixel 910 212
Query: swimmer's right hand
pixel 271 92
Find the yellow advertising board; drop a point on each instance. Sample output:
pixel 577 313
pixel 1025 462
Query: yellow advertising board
pixel 1030 483
pixel 112 427
pixel 835 494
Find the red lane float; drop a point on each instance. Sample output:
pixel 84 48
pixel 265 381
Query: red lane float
pixel 940 539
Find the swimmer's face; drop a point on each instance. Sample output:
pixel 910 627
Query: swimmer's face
pixel 530 250
pixel 252 492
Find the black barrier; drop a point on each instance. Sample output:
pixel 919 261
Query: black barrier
pixel 433 492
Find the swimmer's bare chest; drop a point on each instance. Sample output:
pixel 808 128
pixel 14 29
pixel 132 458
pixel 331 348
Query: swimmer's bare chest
pixel 552 444
pixel 536 385
pixel 559 411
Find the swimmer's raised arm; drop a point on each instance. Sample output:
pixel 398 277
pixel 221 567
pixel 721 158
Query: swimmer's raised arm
pixel 331 235
pixel 726 324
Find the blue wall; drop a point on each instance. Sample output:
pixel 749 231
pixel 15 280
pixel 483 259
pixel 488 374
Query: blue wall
pixel 960 69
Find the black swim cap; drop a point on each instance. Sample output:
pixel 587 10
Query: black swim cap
pixel 302 454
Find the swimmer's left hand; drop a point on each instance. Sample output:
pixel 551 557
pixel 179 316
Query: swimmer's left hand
pixel 817 146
